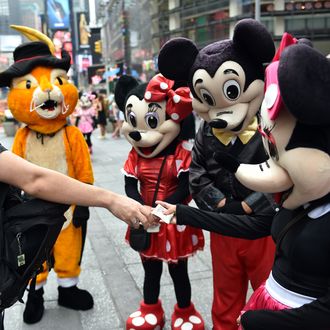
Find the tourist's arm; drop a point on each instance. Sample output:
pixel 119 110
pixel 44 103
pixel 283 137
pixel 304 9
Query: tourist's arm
pixel 56 187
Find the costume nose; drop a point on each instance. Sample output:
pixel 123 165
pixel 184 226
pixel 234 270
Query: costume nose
pixel 135 135
pixel 218 123
pixel 45 84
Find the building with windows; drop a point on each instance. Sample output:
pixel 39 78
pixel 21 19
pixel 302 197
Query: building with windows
pixel 134 31
pixel 210 20
pixel 126 36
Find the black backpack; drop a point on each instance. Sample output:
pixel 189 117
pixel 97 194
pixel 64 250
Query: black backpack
pixel 28 231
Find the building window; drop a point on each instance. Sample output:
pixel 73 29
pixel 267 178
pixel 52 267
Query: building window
pixel 4 7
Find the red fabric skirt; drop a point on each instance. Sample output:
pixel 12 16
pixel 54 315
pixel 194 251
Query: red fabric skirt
pixel 261 299
pixel 173 242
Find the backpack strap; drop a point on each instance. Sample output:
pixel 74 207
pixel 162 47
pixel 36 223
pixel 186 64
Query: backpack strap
pixel 3 193
pixel 158 181
pixel 2 316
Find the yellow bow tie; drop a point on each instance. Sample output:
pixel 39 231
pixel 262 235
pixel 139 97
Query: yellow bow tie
pixel 226 136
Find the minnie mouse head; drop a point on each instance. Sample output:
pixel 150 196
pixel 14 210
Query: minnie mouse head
pixel 153 112
pixel 225 77
pixel 86 100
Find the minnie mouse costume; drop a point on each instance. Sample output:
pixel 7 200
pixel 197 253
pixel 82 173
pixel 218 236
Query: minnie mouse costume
pixel 154 115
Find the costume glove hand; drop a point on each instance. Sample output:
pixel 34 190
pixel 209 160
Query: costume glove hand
pixel 232 207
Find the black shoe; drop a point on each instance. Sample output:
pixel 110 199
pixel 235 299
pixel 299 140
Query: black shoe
pixel 34 308
pixel 75 298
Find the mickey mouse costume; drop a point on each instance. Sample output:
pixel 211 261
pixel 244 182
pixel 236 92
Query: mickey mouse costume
pixel 226 80
pixel 154 113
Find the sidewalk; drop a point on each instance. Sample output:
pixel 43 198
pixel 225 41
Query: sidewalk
pixel 112 271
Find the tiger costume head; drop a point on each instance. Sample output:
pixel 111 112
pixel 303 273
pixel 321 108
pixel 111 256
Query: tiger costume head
pixel 40 94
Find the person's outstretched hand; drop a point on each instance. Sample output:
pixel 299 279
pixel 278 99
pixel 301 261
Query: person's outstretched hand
pixel 238 321
pixel 170 208
pixel 130 211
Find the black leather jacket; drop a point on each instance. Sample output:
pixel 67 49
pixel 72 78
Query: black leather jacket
pixel 209 183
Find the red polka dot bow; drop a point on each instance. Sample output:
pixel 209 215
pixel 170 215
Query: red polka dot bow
pixel 179 103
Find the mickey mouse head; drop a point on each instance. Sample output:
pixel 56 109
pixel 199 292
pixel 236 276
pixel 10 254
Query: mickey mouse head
pixel 225 77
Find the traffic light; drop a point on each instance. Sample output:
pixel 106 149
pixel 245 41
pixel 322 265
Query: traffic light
pixel 98 46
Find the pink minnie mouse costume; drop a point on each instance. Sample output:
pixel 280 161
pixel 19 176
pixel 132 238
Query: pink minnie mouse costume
pixel 86 114
pixel 154 116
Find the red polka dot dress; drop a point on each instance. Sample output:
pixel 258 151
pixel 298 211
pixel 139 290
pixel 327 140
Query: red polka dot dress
pixel 172 242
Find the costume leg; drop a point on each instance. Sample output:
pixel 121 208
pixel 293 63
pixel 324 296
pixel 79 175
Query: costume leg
pixel 34 307
pixel 180 277
pixel 88 140
pixel 150 315
pixel 184 311
pixel 152 273
pixel 230 282
pixel 68 252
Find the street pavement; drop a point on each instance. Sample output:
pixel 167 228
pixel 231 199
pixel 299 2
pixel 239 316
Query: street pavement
pixel 111 270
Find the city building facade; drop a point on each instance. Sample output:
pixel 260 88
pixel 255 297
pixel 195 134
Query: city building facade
pixel 134 31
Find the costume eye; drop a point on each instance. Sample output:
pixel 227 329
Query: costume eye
pixel 60 80
pixel 231 89
pixel 26 82
pixel 132 118
pixel 152 119
pixel 207 96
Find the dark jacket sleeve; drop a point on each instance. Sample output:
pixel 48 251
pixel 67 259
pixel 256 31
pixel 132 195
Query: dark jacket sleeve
pixel 182 191
pixel 315 315
pixel 240 226
pixel 202 186
pixel 131 189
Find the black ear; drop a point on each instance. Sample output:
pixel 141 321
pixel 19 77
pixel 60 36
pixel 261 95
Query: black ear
pixel 123 86
pixel 176 57
pixel 304 80
pixel 253 37
pixel 305 41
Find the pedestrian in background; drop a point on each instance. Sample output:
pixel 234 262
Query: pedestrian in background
pixel 85 113
pixel 101 106
pixel 119 116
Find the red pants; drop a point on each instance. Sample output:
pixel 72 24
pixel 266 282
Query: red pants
pixel 235 261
